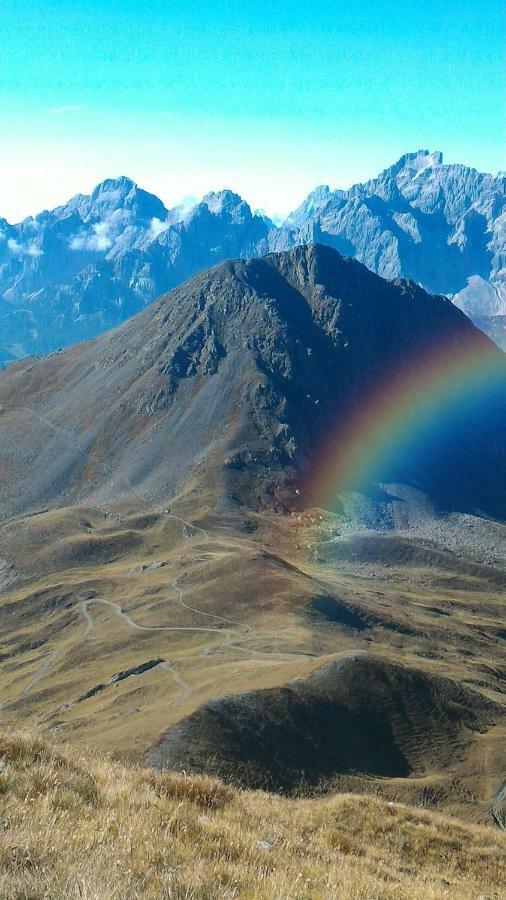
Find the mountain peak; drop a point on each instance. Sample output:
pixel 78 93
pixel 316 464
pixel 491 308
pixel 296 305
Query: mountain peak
pixel 118 197
pixel 222 201
pixel 411 163
pixel 313 203
pixel 422 159
pixel 115 188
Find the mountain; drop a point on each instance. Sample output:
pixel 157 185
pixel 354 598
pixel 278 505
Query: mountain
pixel 247 362
pixel 70 274
pixel 162 547
pixel 441 225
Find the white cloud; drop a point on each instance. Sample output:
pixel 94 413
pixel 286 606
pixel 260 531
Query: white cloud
pixel 18 249
pixel 277 218
pixel 98 241
pixel 15 247
pixel 62 110
pixel 156 228
pixel 187 204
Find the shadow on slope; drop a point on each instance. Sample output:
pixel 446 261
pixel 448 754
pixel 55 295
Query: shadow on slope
pixel 358 714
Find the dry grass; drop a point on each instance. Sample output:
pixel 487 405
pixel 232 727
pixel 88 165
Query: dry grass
pixel 264 581
pixel 79 826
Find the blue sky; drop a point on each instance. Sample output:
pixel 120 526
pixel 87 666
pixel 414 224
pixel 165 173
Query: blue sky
pixel 269 98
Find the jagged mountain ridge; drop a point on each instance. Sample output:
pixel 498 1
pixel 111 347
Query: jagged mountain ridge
pixel 440 225
pixel 228 381
pixel 70 274
pixel 89 265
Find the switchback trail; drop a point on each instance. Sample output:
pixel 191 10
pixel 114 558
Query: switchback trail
pixel 185 688
pixel 40 672
pixel 83 605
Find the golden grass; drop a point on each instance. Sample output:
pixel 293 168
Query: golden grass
pixel 76 825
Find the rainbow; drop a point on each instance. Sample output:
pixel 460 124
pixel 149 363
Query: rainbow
pixel 409 403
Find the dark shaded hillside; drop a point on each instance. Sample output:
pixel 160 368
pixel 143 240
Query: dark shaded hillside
pixel 231 380
pixel 357 715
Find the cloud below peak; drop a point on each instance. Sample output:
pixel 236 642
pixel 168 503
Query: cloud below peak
pixel 18 249
pixel 97 241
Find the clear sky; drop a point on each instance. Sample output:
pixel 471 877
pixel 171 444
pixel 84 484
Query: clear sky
pixel 270 97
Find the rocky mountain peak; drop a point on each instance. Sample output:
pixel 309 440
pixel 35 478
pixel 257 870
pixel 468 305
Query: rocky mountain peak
pixel 314 202
pixel 117 195
pixel 239 373
pixel 437 224
pixel 227 203
pixel 113 188
pixel 420 160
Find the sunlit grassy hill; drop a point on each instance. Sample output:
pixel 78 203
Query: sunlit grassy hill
pixel 78 825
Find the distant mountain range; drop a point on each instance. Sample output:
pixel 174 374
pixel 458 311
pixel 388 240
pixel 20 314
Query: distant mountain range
pixel 86 266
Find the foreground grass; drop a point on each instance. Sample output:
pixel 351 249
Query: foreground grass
pixel 79 826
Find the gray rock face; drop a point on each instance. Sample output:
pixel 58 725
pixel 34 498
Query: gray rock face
pixel 70 274
pixel 87 266
pixel 444 226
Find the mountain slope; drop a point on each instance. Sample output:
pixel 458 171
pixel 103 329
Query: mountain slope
pixel 356 716
pixel 125 831
pixel 160 546
pixel 235 376
pixel 70 274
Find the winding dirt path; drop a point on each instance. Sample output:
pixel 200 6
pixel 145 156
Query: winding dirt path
pixel 83 605
pixel 232 640
pixel 88 623
pixel 185 689
pixel 39 674
pixel 179 594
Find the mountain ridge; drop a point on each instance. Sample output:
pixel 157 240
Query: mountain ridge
pixel 70 274
pixel 249 359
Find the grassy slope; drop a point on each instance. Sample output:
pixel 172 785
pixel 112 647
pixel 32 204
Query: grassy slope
pixel 77 825
pixel 252 589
